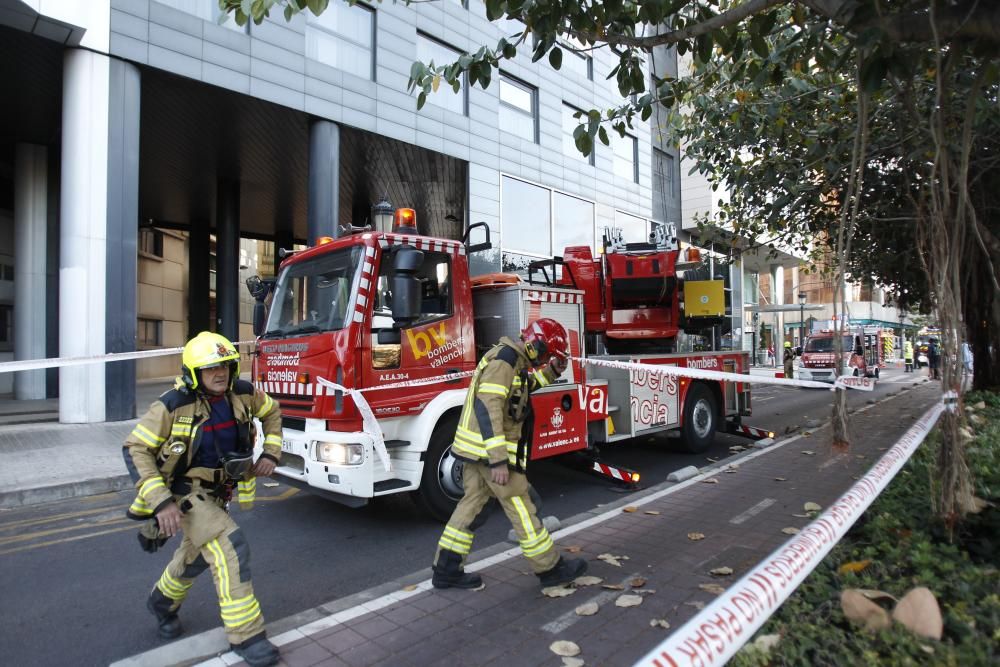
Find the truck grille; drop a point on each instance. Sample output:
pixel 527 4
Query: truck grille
pixel 293 423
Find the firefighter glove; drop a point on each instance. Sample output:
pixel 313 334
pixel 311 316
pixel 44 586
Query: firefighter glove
pixel 150 538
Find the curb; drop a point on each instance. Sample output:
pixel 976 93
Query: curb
pixel 48 494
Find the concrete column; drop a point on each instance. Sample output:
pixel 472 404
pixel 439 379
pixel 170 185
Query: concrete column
pixel 83 244
pixel 30 221
pixel 324 180
pixel 122 237
pixel 227 260
pixel 199 267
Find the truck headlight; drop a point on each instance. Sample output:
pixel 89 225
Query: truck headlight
pixel 340 454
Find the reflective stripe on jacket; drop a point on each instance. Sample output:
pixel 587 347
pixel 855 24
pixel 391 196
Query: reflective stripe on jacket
pixel 162 445
pixel 497 405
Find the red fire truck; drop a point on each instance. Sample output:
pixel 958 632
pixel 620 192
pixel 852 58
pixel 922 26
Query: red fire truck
pixel 862 350
pixel 380 311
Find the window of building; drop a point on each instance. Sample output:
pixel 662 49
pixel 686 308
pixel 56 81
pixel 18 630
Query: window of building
pixel 626 156
pixel 151 241
pixel 573 222
pixel 511 29
pixel 569 124
pixel 6 272
pixel 525 219
pixel 6 325
pixel 431 50
pixel 633 228
pixel 343 36
pixel 518 108
pixel 149 333
pixel 207 10
pixel 574 61
pixel 664 197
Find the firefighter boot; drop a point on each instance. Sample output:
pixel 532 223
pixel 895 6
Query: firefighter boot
pixel 448 572
pixel 159 605
pixel 257 651
pixel 564 572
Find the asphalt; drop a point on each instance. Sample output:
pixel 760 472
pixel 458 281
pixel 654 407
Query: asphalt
pixel 740 506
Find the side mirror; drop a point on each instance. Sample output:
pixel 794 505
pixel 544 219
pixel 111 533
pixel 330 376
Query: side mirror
pixel 259 317
pixel 406 292
pixel 257 288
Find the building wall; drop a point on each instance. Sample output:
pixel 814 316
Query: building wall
pixel 162 297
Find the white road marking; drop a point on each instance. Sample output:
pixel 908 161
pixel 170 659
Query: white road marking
pixel 756 509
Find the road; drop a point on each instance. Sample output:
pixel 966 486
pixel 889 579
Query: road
pixel 74 579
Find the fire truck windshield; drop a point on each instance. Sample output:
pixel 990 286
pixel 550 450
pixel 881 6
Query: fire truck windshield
pixel 316 294
pixel 826 344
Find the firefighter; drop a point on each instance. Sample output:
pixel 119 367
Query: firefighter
pixel 186 454
pixel 789 360
pixel 908 357
pixel 492 439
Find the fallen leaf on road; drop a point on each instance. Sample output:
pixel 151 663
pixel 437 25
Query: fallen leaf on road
pixel 613 587
pixel 853 566
pixel 270 485
pixel 780 479
pixel 811 507
pixel 872 594
pixel 710 480
pixel 612 560
pixel 557 591
pixel 587 581
pixel 572 662
pixel 712 588
pixel 802 516
pixel 564 648
pixel 731 469
pixel 654 512
pixel 790 530
pixel 628 601
pixel 918 610
pixel 411 587
pixel 863 611
pixel 588 609
pixel 721 571
pixel 644 591
pixel 574 549
pixel 709 458
pixel 638 582
pixel 806 434
pixel 809 452
pixel 697 604
pixel 629 509
pixel 694 537
pixel 659 623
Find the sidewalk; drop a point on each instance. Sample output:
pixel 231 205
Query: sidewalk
pixel 740 508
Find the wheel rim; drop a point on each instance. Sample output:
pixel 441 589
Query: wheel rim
pixel 701 419
pixel 450 472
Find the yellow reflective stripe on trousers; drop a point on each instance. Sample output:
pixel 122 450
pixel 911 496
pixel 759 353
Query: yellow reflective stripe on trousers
pixel 173 589
pixel 221 569
pixel 542 544
pixel 457 547
pixel 239 612
pixel 150 484
pixel 522 513
pixel 458 535
pixel 147 436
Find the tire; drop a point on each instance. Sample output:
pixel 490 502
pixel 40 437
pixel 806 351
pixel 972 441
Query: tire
pixel 701 418
pixel 441 481
pixel 876 372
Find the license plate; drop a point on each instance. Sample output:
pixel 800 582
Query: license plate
pixel 286 445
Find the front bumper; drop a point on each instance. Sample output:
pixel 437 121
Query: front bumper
pixel 816 374
pixel 300 466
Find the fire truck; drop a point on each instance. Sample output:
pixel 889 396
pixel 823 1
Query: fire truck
pixel 397 316
pixel 862 350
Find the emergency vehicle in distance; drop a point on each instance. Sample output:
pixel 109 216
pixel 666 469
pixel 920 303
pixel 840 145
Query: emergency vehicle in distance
pixel 862 349
pixel 377 308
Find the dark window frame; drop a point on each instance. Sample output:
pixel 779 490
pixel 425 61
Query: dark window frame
pixel 532 90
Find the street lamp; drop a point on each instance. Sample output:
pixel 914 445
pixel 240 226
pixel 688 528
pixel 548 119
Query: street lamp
pixel 382 214
pixel 802 323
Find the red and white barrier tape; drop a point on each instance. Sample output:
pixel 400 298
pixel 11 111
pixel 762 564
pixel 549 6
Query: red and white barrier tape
pixel 369 423
pixel 37 364
pixel 718 631
pixel 701 374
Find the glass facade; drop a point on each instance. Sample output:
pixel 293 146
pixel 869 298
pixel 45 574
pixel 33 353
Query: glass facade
pixel 343 37
pixel 518 108
pixel 626 151
pixel 431 50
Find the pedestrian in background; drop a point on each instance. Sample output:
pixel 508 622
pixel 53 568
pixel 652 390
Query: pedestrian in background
pixel 493 440
pixel 770 355
pixel 186 454
pixel 789 360
pixel 933 359
pixel 908 357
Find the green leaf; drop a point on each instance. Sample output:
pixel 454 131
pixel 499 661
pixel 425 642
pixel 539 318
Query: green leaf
pixel 584 143
pixel 759 46
pixel 245 7
pixel 555 57
pixel 873 73
pixel 317 7
pixel 421 99
pixel 603 135
pixel 704 45
pixel 288 12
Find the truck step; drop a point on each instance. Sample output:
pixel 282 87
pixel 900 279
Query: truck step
pixel 395 444
pixel 751 432
pixel 389 485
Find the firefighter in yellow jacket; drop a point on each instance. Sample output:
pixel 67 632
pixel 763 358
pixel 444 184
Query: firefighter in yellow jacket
pixel 492 441
pixel 186 454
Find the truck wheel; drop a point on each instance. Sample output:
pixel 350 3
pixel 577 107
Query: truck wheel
pixel 700 419
pixel 876 372
pixel 441 482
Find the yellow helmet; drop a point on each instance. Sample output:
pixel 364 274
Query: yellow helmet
pixel 788 343
pixel 207 350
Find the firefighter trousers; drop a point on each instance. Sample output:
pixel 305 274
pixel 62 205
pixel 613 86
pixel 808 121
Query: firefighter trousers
pixel 212 540
pixel 536 544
